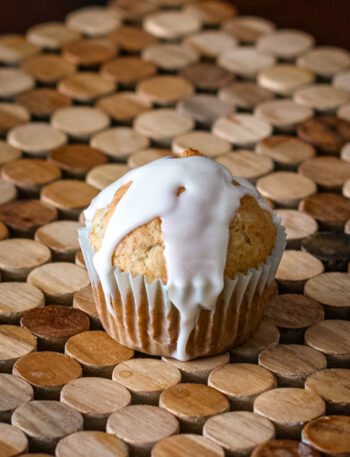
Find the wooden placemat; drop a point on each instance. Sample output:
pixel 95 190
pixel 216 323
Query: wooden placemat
pixel 112 88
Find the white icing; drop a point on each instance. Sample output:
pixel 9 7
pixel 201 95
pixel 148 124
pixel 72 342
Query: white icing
pixel 195 228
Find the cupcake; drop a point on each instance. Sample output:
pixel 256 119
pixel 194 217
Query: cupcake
pixel 181 256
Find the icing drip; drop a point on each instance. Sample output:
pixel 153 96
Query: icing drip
pixel 195 228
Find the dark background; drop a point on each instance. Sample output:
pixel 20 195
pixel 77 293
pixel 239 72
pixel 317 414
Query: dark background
pixel 327 20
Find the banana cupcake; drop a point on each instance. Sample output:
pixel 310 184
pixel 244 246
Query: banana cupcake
pixel 181 256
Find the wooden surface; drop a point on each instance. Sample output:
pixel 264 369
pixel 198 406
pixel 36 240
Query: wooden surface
pixel 85 100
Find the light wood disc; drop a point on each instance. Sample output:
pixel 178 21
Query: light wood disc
pixel 14 392
pixel 16 298
pixel 93 21
pixel 15 343
pixel 13 441
pixel 90 444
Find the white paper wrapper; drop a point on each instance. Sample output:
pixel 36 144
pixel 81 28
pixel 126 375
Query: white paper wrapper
pixel 140 315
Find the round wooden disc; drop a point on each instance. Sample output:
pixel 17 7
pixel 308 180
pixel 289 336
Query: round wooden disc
pixel 103 175
pixel 207 76
pixel 12 441
pixel 273 448
pixel 30 175
pixel 146 378
pixel 60 237
pixel 170 57
pixel 330 435
pixel 36 138
pixel 207 143
pixel 84 300
pixel 204 108
pixel 16 298
pixel 282 114
pixel 171 25
pixel 333 386
pixel 13 82
pixel 330 289
pixel 238 432
pixel 8 192
pixel 187 445
pixel 245 61
pixel 47 372
pixel 97 352
pixel 8 153
pixel 91 443
pixel 165 90
pixel 77 159
pixel 330 210
pixel 46 422
pixel 211 12
pixel 43 102
pixel 244 95
pixel 332 248
pixel 246 164
pixel 322 97
pixel 327 171
pixel 88 53
pixel 15 48
pixel 241 383
pixel 162 125
pixel 48 68
pixel 54 324
pixel 287 151
pixel 248 29
pixel 286 44
pixel 68 195
pixel 297 225
pixel 332 338
pixel 128 70
pixel 51 35
pixel 59 281
pixel 211 43
pixel 241 129
pixel 193 404
pixel 95 398
pixel 342 80
pixel 80 121
pixel 15 343
pixel 11 115
pixel 325 61
pixel 85 86
pixel 198 370
pixel 25 216
pixel 20 256
pixel 266 335
pixel 119 142
pixel 92 21
pixel 289 408
pixel 286 188
pixel 147 155
pixel 123 107
pixel 132 39
pixel 129 10
pixel 284 79
pixel 14 392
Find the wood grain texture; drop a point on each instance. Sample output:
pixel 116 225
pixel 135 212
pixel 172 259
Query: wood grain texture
pixel 17 298
pixel 84 300
pixel 13 442
pixel 293 448
pixel 186 445
pixel 16 342
pixel 91 443
pixel 60 237
pixel 329 434
pixel 14 392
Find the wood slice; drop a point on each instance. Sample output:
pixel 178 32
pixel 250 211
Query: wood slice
pixel 211 43
pixel 80 122
pixel 42 103
pixel 15 342
pixel 193 404
pixel 130 11
pixel 207 76
pixel 127 71
pixel 20 256
pixel 92 21
pixel 142 426
pixel 165 90
pixel 36 138
pixel 246 164
pixel 91 443
pixel 103 175
pixel 245 61
pixel 11 115
pixel 132 39
pixel 13 82
pixel 238 432
pixel 332 248
pixel 96 399
pixel 54 324
pixel 14 392
pixel 285 44
pixel 97 352
pixel 16 298
pixel 89 53
pixel 244 95
pixel 332 338
pixel 15 48
pixel 205 142
pixel 8 192
pixel 333 385
pixel 84 300
pixel 13 442
pixel 61 238
pixel 48 68
pixel 273 448
pixel 329 434
pixel 123 107
pixel 85 87
pixel 170 57
pixel 47 372
pixel 51 35
pixel 46 422
pixel 59 281
pixel 171 25
pixel 325 61
pixel 23 217
pixel 321 97
pixel 211 12
pixel 203 108
pixel 289 408
pixel 186 445
pixel 146 378
pixel 30 175
pixel 8 153
pixel 198 370
pixel 266 335
pixel 297 225
pixel 284 79
pixel 282 114
pixel 241 383
pixel 147 155
pixel 328 172
pixel 248 29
